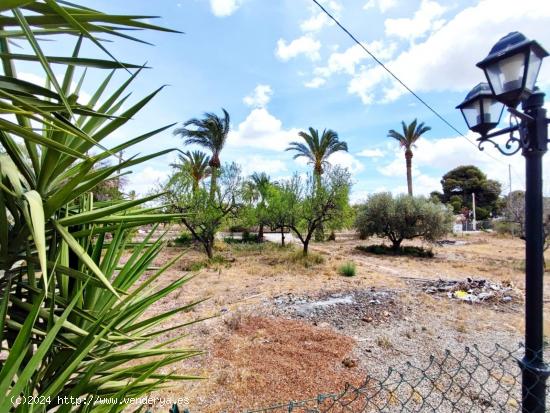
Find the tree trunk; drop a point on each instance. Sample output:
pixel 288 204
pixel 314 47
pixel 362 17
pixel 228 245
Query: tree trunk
pixel 261 233
pixel 208 246
pixel 396 244
pixel 282 236
pixel 306 246
pixel 319 231
pixel 213 182
pixel 408 160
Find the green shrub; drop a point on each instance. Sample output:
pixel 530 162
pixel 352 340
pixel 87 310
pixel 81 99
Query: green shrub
pixel 507 228
pixel 308 260
pixel 386 250
pixel 75 288
pixel 347 269
pixel 403 217
pixel 185 238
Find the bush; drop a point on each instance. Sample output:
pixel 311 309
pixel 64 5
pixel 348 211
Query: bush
pixel 402 217
pixel 185 238
pixel 385 250
pixel 348 269
pixel 307 261
pixel 507 228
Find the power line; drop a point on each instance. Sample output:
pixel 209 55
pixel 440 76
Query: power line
pixel 399 80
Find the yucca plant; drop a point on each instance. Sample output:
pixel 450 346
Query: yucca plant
pixel 71 313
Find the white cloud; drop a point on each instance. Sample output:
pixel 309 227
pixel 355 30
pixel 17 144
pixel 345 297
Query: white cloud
pixel 260 97
pixel 448 153
pixel 446 60
pixel 258 163
pixel 346 160
pixel 315 22
pixel 347 61
pixel 371 153
pixel 262 130
pixel 383 5
pixel 425 20
pixel 319 19
pixel 343 62
pixel 315 82
pixel 305 45
pixel 145 180
pixel 224 8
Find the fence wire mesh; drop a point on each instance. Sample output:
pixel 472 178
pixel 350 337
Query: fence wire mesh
pixel 473 381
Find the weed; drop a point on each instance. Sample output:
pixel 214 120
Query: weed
pixel 185 238
pixel 234 321
pixel 308 260
pixel 215 261
pixel 460 327
pixel 347 269
pixel 384 342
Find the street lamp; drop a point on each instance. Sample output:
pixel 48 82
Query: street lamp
pixel 481 110
pixel 511 68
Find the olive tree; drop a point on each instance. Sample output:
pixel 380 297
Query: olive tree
pixel 281 203
pixel 317 202
pixel 402 217
pixel 203 215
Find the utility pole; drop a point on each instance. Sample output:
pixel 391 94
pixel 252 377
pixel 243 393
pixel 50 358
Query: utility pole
pixel 510 195
pixel 510 178
pixel 474 210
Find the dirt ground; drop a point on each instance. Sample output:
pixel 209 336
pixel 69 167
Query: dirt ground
pixel 288 331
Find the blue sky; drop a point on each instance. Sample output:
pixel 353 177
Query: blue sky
pixel 280 66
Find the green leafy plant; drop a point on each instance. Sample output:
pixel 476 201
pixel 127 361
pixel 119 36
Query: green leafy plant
pixel 72 312
pixel 402 217
pixel 202 215
pixel 314 204
pixel 348 269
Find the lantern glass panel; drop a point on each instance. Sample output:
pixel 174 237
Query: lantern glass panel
pixel 532 70
pixel 492 110
pixel 472 114
pixel 506 75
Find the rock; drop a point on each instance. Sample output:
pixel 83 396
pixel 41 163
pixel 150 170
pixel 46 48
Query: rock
pixel 367 319
pixel 349 362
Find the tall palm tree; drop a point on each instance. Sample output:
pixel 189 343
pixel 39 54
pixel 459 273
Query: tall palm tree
pixel 211 133
pixel 407 140
pixel 317 150
pixel 257 189
pixel 195 164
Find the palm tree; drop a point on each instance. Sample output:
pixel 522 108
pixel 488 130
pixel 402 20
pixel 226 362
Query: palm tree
pixel 317 151
pixel 407 140
pixel 195 164
pixel 211 133
pixel 257 188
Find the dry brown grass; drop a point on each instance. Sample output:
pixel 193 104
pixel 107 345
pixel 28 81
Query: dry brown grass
pixel 267 358
pixel 254 360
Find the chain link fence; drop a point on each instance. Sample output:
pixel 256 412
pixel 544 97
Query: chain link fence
pixel 475 380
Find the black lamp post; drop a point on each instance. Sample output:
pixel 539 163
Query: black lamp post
pixel 511 68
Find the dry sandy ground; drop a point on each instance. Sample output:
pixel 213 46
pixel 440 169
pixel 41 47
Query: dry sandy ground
pixel 257 352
